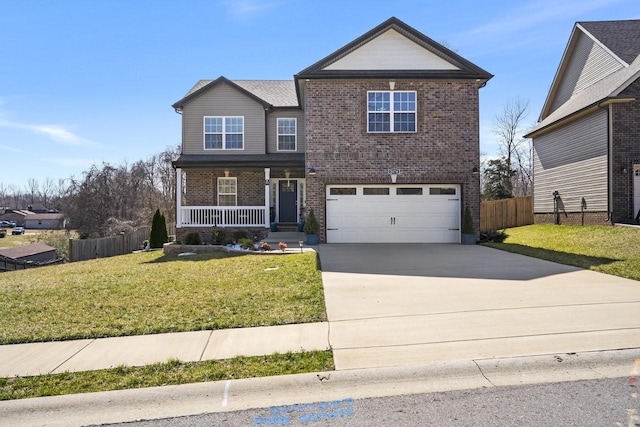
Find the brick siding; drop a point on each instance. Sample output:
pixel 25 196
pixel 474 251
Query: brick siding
pixel 444 150
pixel 202 187
pixel 626 153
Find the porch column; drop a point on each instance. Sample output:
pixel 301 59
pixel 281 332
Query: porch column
pixel 267 193
pixel 178 198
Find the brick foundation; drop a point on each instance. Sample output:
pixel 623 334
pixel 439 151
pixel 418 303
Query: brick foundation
pixel 573 218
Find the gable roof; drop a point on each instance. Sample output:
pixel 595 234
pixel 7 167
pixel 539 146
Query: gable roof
pixel 18 252
pixel 437 62
pixel 621 37
pixel 620 40
pixel 269 93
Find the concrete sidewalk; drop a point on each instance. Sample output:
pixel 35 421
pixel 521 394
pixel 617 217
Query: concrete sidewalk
pixel 103 353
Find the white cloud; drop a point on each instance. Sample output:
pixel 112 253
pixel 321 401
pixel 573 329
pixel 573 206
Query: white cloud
pixel 528 16
pixel 13 149
pixel 54 132
pixel 243 10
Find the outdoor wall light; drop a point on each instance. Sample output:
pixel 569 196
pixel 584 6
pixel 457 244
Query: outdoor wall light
pixel 475 170
pixel 312 172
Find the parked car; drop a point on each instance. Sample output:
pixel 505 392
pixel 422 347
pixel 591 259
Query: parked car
pixel 17 230
pixel 9 224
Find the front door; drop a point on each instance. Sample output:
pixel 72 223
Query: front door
pixel 288 200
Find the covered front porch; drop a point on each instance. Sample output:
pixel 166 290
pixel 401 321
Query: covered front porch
pixel 238 194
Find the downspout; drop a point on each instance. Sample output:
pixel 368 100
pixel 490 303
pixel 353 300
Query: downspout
pixel 607 109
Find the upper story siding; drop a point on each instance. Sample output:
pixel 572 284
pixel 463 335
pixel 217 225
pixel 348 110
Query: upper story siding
pixel 444 147
pixel 272 129
pixel 589 64
pixel 223 100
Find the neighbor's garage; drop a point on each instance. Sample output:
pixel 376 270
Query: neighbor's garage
pixel 400 213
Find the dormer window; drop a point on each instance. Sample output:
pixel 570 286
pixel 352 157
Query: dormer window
pixel 224 133
pixel 391 111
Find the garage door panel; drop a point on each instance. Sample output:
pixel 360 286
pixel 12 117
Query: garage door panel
pixel 413 216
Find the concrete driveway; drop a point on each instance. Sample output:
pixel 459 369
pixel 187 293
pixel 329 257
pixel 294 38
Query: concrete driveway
pixel 392 305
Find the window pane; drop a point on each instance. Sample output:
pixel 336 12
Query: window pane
pixel 227 200
pixel 233 141
pixel 379 101
pixel 379 122
pixel 374 191
pixel 286 143
pixel 404 122
pixel 404 101
pixel 434 191
pixel 234 124
pixel 409 191
pixel 286 127
pixel 213 124
pixel 342 191
pixel 213 141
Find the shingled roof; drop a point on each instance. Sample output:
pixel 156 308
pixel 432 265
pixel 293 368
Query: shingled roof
pixel 621 37
pixel 19 252
pixel 271 93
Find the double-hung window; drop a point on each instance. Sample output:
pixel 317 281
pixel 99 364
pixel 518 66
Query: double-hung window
pixel 224 133
pixel 286 134
pixel 227 191
pixel 391 111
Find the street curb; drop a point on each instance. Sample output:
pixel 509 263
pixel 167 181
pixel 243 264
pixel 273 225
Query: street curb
pixel 233 395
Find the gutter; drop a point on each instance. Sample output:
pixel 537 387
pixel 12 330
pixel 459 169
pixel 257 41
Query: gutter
pixel 578 115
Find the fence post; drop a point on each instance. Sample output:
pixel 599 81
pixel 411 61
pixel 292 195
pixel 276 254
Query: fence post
pixel 122 243
pixel 70 250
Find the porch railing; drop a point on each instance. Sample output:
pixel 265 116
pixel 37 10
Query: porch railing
pixel 222 216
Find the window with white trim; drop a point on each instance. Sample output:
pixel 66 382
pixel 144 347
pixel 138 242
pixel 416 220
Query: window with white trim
pixel 224 133
pixel 227 191
pixel 287 134
pixel 391 111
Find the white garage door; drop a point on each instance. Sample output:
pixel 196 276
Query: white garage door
pixel 393 213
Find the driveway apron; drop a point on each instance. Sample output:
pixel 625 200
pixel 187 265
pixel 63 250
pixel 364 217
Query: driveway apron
pixel 392 305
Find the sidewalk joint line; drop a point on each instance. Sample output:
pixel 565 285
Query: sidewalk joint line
pixel 440 313
pixel 487 338
pixel 482 373
pixel 73 355
pixel 206 345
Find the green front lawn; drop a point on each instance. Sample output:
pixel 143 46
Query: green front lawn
pixel 171 373
pixel 149 293
pixel 610 250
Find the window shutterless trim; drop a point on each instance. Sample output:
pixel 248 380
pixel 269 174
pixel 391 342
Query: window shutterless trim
pixel 224 132
pixel 220 184
pixel 294 134
pixel 388 113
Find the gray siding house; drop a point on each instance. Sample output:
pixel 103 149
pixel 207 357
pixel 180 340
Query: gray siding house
pixel 585 146
pixel 380 139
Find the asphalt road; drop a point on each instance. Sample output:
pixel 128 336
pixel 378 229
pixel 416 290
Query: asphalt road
pixel 605 402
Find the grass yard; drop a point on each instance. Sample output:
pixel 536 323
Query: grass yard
pixel 150 293
pixel 610 250
pixel 171 373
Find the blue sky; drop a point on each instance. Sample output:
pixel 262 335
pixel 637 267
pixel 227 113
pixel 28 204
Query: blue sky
pixel 85 82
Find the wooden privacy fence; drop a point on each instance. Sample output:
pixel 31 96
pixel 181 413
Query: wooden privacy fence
pixel 125 243
pixel 506 213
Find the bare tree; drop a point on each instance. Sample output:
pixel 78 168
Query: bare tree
pixel 515 150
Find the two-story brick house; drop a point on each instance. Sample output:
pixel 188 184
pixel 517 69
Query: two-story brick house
pixel 379 138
